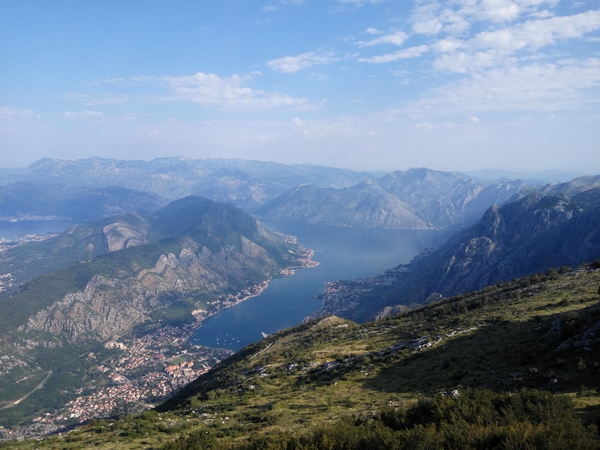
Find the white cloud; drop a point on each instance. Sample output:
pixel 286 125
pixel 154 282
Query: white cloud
pixel 291 64
pixel 229 94
pixel 83 115
pixel 538 33
pixel 12 113
pixel 449 44
pixel 500 47
pixel 499 10
pixel 428 26
pixel 457 17
pixel 464 62
pixel 410 52
pixel 360 2
pixel 395 38
pixel 565 85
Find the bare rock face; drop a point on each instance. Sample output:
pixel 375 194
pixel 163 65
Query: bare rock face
pixel 121 235
pixel 110 307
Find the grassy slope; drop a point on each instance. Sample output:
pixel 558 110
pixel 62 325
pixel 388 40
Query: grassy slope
pixel 503 338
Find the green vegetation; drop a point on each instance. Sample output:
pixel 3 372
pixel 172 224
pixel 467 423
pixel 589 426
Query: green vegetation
pixel 512 366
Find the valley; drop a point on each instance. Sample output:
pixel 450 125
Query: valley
pixel 300 225
pixel 113 316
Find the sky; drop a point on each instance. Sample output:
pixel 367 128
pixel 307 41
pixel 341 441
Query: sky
pixel 360 84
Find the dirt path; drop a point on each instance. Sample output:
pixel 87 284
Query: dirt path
pixel 39 386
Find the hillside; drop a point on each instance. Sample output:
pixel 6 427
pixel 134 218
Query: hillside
pixel 511 366
pixel 176 266
pixel 532 234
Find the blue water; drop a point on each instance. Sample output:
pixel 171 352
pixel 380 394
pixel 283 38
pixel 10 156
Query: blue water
pixel 14 230
pixel 342 253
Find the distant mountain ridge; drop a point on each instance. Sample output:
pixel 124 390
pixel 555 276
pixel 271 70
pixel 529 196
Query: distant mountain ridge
pixel 532 234
pixel 24 200
pixel 244 183
pixel 363 205
pixel 414 199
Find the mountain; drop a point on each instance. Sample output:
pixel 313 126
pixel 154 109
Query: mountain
pixel 414 199
pixel 119 276
pixel 362 205
pixel 512 366
pixel 534 178
pixel 243 183
pixel 578 185
pixel 447 200
pixel 23 200
pixel 532 234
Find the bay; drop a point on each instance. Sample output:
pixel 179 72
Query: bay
pixel 14 230
pixel 342 253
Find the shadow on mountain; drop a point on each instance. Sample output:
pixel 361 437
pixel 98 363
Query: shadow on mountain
pixel 558 352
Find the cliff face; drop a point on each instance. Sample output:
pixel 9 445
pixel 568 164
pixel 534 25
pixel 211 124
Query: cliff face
pixel 530 235
pixel 109 307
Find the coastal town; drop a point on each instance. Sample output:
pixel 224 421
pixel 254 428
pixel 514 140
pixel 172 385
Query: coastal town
pixel 137 371
pixel 7 280
pixel 140 373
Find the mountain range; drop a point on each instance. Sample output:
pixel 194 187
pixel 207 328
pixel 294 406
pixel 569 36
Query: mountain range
pixel 532 234
pixel 246 184
pixel 142 273
pixel 23 200
pixel 91 188
pixel 414 199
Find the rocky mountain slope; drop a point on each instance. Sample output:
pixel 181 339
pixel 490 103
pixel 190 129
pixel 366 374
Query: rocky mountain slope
pixel 192 255
pixel 529 235
pixel 415 199
pixel 511 366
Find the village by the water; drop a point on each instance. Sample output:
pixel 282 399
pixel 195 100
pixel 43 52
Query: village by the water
pixel 148 370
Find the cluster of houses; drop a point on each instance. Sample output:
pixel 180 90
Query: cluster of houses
pixel 184 370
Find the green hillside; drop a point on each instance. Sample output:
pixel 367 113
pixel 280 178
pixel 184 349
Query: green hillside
pixel 515 365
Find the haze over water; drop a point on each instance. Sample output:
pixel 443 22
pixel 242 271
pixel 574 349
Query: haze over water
pixel 342 253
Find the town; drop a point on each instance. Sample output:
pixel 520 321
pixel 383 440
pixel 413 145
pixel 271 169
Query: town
pixel 146 370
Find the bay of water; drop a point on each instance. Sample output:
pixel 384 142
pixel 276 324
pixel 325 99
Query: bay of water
pixel 15 230
pixel 343 253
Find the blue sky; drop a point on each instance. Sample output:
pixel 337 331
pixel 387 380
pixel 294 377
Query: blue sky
pixel 363 84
